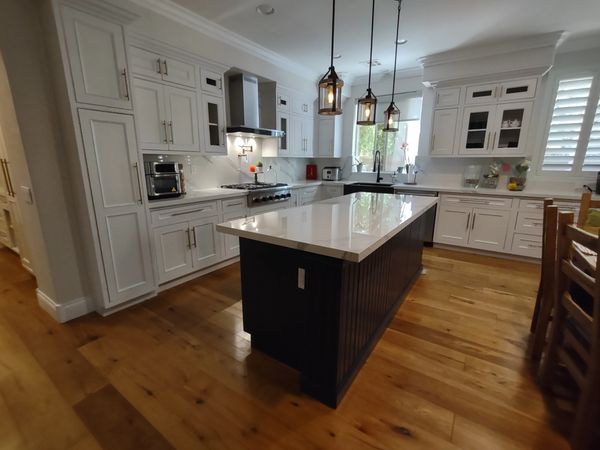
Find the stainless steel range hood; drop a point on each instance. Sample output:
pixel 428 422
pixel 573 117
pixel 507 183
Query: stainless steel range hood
pixel 244 109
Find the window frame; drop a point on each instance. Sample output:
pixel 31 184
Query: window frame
pixel 554 79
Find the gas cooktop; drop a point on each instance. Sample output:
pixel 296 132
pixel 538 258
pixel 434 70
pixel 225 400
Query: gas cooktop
pixel 254 186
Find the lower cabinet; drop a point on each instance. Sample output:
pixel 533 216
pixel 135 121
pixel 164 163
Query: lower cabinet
pixel 186 247
pixel 331 191
pixel 488 229
pixel 232 243
pixel 453 225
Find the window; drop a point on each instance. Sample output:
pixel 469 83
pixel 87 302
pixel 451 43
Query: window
pixel 397 149
pixel 573 143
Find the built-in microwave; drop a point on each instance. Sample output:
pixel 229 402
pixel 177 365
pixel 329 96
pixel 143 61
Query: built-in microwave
pixel 163 179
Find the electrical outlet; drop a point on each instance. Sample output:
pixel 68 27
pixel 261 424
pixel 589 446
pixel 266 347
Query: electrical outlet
pixel 301 278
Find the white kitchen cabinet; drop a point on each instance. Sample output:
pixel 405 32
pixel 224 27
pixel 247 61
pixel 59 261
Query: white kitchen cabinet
pixel 518 89
pixel 452 224
pixel 212 82
pixel 152 65
pixel 329 137
pixel 284 124
pixel 527 245
pixel 447 97
pixel 307 195
pixel 444 131
pixel 331 191
pixel 283 101
pixel 173 244
pixel 477 128
pixel 510 128
pixel 232 243
pixel 166 117
pixel 302 136
pixel 485 93
pixel 207 245
pixel 302 105
pixel 97 57
pixel 488 229
pixel 214 123
pixel 115 181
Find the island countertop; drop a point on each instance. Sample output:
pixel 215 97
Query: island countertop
pixel 349 227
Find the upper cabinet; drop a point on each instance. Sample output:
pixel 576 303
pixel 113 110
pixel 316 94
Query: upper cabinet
pixel 213 111
pixel 152 65
pixel 96 50
pixel 329 142
pixel 166 117
pixel 491 120
pixel 212 82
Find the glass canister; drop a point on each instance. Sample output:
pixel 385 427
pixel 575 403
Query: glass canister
pixel 471 176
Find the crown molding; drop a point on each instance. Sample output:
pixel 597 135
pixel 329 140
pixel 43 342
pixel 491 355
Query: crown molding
pixel 106 9
pixel 410 72
pixel 184 16
pixel 495 49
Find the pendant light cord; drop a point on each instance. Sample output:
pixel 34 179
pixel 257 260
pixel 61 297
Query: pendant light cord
pixel 396 51
pixel 371 51
pixel 332 32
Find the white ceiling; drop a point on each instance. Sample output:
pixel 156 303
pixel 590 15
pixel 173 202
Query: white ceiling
pixel 300 29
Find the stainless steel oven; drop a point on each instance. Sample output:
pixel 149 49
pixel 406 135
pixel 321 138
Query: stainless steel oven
pixel 163 179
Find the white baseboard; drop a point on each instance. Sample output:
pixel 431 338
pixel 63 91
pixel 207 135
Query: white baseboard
pixel 487 253
pixel 63 312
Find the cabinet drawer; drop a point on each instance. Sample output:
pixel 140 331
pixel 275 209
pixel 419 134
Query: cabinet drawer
pixel 526 245
pixel 447 97
pixel 514 90
pixel 234 205
pixel 488 202
pixel 333 191
pixel 311 191
pixel 529 223
pixel 532 205
pixel 486 93
pixel 184 213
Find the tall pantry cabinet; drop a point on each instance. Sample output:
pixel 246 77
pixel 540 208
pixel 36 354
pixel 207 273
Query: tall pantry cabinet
pixel 93 48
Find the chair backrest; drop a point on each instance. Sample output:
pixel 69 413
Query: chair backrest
pixel 584 207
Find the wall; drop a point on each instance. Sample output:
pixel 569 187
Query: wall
pixel 33 133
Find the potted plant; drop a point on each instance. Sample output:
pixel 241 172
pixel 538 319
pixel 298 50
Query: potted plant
pixel 517 183
pixel 359 165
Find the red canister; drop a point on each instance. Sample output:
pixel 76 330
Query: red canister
pixel 311 171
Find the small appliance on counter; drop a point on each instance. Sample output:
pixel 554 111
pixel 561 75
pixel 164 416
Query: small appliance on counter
pixel 332 173
pixel 311 171
pixel 163 179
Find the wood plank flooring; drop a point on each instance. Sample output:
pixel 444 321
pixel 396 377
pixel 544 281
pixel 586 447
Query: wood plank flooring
pixel 178 371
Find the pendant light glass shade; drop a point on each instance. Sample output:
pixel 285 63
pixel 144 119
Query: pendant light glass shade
pixel 392 113
pixel 330 86
pixel 367 105
pixel 392 118
pixel 330 94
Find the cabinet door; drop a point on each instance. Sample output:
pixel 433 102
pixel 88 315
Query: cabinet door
pixel 452 225
pixel 325 140
pixel 283 101
pixel 178 72
pixel 308 134
pixel 182 112
pixel 447 97
pixel 212 82
pixel 510 133
pixel 477 126
pixel 96 50
pixel 283 123
pixel 173 251
pixel 444 131
pixel 488 229
pixel 486 93
pixel 297 148
pixel 115 180
pixel 150 115
pixel 146 64
pixel 214 122
pixel 232 243
pixel 514 90
pixel 207 244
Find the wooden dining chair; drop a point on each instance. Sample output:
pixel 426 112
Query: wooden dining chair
pixel 575 331
pixel 584 209
pixel 545 296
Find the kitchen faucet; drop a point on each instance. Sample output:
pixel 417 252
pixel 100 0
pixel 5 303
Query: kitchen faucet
pixel 377 164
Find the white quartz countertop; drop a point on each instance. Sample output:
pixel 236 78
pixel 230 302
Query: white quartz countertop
pixel 349 227
pixel 197 195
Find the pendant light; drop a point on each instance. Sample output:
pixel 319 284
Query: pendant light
pixel 392 113
pixel 330 86
pixel 367 105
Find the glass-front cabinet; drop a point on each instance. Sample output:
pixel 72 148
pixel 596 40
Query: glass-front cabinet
pixel 477 129
pixel 214 120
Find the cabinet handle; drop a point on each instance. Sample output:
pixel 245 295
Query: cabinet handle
pixel 220 84
pixel 189 238
pixel 433 142
pixel 124 73
pixel 166 68
pixel 183 213
pixel 11 189
pixel 159 66
pixel 468 221
pixel 139 180
pixel 172 134
pixel 194 234
pixel 494 140
pixel 488 141
pixel 166 139
pixel 474 217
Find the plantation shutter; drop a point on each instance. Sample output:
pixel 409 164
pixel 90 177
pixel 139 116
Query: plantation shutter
pixel 591 163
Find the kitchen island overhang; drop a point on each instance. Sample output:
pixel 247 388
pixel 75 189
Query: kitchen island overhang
pixel 320 283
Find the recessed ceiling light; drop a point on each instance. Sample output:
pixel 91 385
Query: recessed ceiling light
pixel 374 63
pixel 337 56
pixel 401 41
pixel 265 9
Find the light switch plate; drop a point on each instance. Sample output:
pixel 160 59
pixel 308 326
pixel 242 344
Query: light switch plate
pixel 27 194
pixel 301 276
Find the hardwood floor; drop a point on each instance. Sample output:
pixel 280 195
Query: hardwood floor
pixel 178 371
